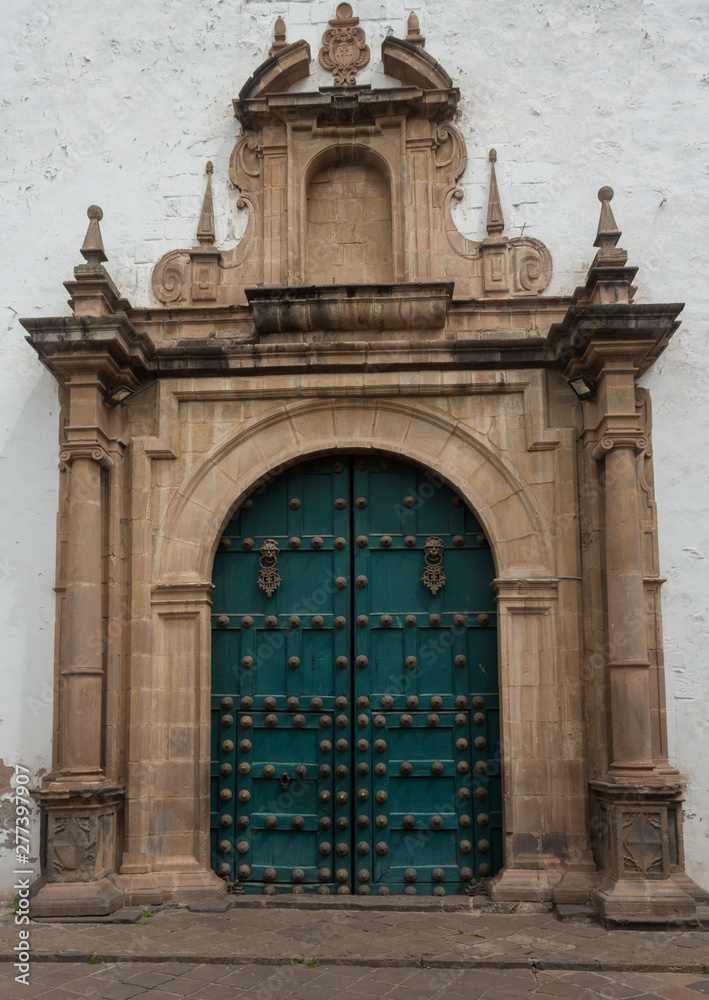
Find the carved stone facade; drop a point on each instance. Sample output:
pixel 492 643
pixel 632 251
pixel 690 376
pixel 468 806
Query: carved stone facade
pixel 354 317
pixel 397 155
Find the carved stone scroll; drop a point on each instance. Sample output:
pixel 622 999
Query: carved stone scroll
pixel 170 283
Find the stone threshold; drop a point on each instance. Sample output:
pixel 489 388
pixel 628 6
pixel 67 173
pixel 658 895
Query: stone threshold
pixel 408 904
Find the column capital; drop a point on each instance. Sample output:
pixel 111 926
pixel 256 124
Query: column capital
pixel 529 592
pixel 611 439
pixel 71 452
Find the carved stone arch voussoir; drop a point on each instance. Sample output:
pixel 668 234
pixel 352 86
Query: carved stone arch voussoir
pixel 520 540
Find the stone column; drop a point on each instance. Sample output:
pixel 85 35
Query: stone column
pixel 79 755
pixel 605 343
pixel 96 350
pixel 638 810
pixel 80 805
pixel 628 662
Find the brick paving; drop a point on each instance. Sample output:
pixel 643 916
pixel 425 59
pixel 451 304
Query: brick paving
pixel 170 981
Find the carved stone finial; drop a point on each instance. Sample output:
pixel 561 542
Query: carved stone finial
pixel 205 232
pixel 413 31
pixel 344 50
pixel 279 37
pixel 495 219
pixel 608 233
pixel 92 248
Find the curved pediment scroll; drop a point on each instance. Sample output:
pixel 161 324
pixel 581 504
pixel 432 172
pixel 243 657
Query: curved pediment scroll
pixel 413 67
pixel 279 72
pixel 450 157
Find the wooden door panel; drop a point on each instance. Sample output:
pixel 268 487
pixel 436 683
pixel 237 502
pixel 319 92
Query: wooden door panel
pixel 371 759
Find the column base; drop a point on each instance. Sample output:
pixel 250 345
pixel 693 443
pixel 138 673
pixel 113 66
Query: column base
pixel 639 903
pixel 154 888
pixel 528 885
pixel 74 899
pixel 638 845
pixel 78 851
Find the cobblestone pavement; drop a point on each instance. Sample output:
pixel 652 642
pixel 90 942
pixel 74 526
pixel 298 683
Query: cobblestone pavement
pixel 171 981
pixel 450 938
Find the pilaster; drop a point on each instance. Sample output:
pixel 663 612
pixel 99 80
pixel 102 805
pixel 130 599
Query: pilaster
pixel 547 855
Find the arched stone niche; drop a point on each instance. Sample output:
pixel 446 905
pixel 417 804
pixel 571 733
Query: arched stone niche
pixel 348 233
pixel 291 142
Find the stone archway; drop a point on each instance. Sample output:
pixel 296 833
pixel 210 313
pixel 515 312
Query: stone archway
pixel 490 484
pixel 544 829
pixel 396 671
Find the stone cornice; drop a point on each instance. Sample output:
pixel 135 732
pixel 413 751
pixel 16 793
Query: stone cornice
pixel 293 328
pixel 403 307
pixel 486 320
pixel 346 105
pixel 589 335
pixel 404 327
pixel 111 342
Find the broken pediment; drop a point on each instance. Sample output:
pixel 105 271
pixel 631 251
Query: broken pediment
pixel 350 185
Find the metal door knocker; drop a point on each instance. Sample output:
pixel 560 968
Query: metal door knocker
pixel 433 576
pixel 269 579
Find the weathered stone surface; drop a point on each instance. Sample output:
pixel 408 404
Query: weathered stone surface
pixel 450 363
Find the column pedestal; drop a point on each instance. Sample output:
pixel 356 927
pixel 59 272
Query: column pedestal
pixel 78 853
pixel 638 841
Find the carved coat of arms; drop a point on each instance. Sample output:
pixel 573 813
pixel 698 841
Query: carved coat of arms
pixel 345 50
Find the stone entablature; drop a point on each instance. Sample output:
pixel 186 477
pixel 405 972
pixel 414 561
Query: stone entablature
pixel 456 363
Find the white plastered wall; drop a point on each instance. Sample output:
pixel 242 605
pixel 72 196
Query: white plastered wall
pixel 122 105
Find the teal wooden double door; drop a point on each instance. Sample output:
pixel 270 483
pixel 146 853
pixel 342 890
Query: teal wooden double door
pixel 355 703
